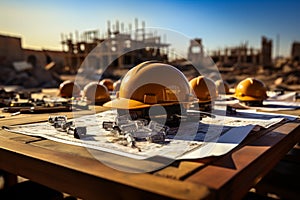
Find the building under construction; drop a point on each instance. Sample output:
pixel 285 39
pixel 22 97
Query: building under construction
pixel 295 54
pixel 116 47
pixel 238 54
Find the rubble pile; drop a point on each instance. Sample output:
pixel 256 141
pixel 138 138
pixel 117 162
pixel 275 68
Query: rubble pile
pixel 283 74
pixel 28 74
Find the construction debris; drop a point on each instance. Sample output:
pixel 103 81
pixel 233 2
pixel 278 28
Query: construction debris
pixel 136 130
pixel 60 123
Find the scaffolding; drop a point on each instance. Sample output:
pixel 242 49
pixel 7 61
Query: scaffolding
pixel 113 42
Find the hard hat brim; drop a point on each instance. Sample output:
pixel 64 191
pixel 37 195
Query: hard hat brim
pixel 249 98
pixel 204 101
pixel 123 103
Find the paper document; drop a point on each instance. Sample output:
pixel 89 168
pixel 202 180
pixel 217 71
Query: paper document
pixel 268 105
pixel 208 137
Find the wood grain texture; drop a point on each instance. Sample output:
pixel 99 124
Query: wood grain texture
pixel 88 178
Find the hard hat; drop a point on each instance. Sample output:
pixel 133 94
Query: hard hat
pixel 251 89
pixel 151 83
pixel 204 88
pixel 109 84
pixel 69 89
pixel 222 87
pixel 96 93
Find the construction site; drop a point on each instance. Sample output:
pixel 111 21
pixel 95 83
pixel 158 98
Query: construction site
pixel 115 115
pixel 114 51
pixel 120 48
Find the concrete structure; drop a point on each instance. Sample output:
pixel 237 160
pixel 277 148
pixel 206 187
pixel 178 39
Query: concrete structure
pixel 266 52
pixel 242 54
pixel 295 54
pixel 195 51
pixel 238 54
pixel 11 51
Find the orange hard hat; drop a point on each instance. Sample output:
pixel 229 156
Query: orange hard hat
pixel 222 87
pixel 251 89
pixel 69 89
pixel 151 83
pixel 204 88
pixel 96 93
pixel 109 84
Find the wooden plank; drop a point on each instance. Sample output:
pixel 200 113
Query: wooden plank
pixel 88 178
pixel 112 160
pixel 183 169
pixel 295 112
pixel 61 147
pixel 18 137
pixel 234 174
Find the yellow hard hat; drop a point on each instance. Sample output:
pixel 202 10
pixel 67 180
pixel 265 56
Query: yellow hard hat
pixel 151 83
pixel 109 84
pixel 251 89
pixel 69 89
pixel 222 87
pixel 96 93
pixel 204 88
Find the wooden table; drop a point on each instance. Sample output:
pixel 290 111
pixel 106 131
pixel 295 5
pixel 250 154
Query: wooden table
pixel 73 170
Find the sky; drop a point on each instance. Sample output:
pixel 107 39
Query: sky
pixel 220 24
